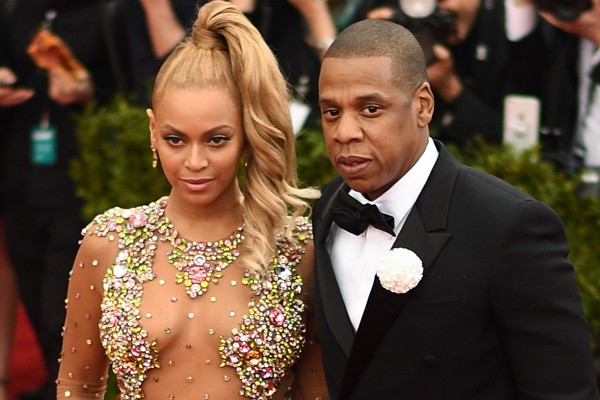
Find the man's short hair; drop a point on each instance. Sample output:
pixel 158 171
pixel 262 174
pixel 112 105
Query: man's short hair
pixel 380 38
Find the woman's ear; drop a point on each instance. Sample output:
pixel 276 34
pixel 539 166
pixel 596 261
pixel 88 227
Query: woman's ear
pixel 151 126
pixel 424 96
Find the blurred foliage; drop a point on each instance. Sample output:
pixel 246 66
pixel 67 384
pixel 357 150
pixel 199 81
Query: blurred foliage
pixel 115 165
pixel 314 168
pixel 115 169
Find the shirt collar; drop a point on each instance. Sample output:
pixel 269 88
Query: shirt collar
pixel 399 199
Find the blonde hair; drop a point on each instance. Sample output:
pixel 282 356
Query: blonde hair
pixel 224 50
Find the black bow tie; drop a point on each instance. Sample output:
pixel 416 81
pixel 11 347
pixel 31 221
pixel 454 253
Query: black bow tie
pixel 354 217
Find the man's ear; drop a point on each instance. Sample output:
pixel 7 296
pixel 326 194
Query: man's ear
pixel 424 97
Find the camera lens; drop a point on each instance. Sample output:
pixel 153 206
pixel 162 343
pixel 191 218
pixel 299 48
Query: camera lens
pixel 564 10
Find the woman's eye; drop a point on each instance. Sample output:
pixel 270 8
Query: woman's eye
pixel 220 139
pixel 174 140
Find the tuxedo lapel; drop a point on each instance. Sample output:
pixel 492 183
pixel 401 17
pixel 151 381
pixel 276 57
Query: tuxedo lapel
pixel 423 234
pixel 329 291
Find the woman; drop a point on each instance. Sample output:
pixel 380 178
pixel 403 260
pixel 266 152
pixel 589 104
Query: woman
pixel 201 294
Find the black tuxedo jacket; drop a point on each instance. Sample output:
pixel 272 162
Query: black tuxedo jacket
pixel 497 314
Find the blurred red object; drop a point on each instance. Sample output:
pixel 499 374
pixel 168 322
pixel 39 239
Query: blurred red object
pixel 50 52
pixel 26 370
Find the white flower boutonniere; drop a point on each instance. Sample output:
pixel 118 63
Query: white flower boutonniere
pixel 400 270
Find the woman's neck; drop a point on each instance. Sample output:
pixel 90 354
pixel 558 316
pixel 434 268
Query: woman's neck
pixel 198 223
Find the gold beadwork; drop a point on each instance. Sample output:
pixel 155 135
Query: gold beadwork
pixel 154 157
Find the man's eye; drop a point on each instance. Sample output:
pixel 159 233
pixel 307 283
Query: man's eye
pixel 330 112
pixel 372 109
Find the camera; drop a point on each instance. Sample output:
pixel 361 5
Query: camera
pixel 427 22
pixel 564 10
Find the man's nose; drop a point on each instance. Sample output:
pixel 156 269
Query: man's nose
pixel 348 129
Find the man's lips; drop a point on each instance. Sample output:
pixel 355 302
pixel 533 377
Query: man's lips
pixel 352 166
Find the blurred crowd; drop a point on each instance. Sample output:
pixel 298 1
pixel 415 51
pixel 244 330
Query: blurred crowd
pixel 522 72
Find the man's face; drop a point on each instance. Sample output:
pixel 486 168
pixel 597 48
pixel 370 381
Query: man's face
pixel 374 131
pixel 465 12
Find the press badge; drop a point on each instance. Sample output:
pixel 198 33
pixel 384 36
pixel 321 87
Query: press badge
pixel 521 121
pixel 43 143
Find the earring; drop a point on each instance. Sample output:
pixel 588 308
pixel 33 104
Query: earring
pixel 154 157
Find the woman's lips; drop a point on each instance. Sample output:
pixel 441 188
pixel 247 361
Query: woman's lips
pixel 197 185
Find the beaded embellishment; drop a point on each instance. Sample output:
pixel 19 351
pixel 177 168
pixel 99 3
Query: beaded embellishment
pixel 200 263
pixel 270 338
pixel 267 341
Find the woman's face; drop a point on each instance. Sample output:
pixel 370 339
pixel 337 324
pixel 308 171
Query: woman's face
pixel 199 138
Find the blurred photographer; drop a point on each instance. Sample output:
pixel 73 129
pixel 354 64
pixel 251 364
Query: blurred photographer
pixel 580 20
pixel 480 52
pixel 53 61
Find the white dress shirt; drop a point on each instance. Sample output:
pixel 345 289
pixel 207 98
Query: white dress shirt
pixel 521 19
pixel 355 258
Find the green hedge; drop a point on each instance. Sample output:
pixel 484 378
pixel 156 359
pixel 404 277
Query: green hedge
pixel 115 165
pixel 115 169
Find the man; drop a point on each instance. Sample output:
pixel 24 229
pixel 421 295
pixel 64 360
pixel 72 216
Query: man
pixel 581 19
pixel 496 315
pixel 489 53
pixel 41 209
